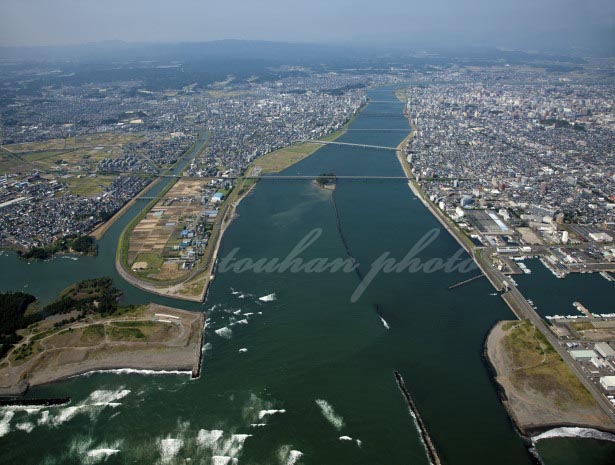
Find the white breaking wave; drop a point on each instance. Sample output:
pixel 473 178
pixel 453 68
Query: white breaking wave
pixel 258 425
pixel 248 314
pixel 288 456
pixel 44 419
pixel 231 447
pixel 81 447
pixel 209 438
pixel 242 322
pixel 293 457
pixel 169 448
pixel 267 298
pixel 25 426
pixel 136 371
pixel 385 324
pixel 5 423
pixel 104 397
pixel 206 347
pixel 574 432
pixel 96 401
pixel 100 454
pixel 224 332
pixel 348 438
pixel 220 446
pixel 223 460
pixel 103 452
pixel 327 411
pixel 237 312
pixel 264 413
pixel 243 350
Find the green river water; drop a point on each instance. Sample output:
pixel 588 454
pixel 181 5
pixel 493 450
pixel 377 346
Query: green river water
pixel 318 366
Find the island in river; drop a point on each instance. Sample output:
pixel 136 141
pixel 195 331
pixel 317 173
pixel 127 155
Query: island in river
pixel 539 390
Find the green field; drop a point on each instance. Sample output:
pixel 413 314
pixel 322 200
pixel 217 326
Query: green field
pixel 84 152
pixel 116 333
pixel 92 335
pixel 153 260
pixel 537 366
pixel 281 159
pixel 89 187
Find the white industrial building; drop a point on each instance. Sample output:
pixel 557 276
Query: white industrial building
pixel 583 354
pixel 608 383
pixel 605 350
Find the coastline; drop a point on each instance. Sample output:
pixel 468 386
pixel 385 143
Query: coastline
pixel 173 353
pixel 532 412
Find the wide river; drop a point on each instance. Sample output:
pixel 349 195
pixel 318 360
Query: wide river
pixel 305 375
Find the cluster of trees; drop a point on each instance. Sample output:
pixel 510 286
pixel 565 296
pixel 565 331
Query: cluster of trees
pixel 90 296
pixel 326 178
pixel 562 123
pixel 13 306
pixel 81 244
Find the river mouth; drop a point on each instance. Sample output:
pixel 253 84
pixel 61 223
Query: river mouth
pixel 290 365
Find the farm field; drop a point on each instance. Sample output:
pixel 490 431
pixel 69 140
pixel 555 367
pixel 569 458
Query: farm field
pixel 73 155
pixel 158 245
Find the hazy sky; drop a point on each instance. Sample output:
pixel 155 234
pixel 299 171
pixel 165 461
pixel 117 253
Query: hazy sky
pixel 506 23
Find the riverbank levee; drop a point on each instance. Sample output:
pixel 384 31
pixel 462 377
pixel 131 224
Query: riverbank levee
pixel 540 391
pixel 151 251
pixel 483 257
pixel 150 337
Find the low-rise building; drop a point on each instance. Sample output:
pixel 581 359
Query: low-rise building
pixel 583 355
pixel 605 350
pixel 608 383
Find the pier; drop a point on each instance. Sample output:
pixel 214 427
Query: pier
pixel 432 453
pixel 196 369
pixel 466 281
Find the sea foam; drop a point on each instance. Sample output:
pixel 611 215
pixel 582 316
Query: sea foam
pixel 224 332
pixel 574 432
pixel 327 411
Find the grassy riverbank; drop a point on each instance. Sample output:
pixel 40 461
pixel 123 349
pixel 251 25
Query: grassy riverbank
pixel 284 158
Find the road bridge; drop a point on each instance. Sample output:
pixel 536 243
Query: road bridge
pixel 386 101
pixel 383 129
pixel 348 144
pixel 381 115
